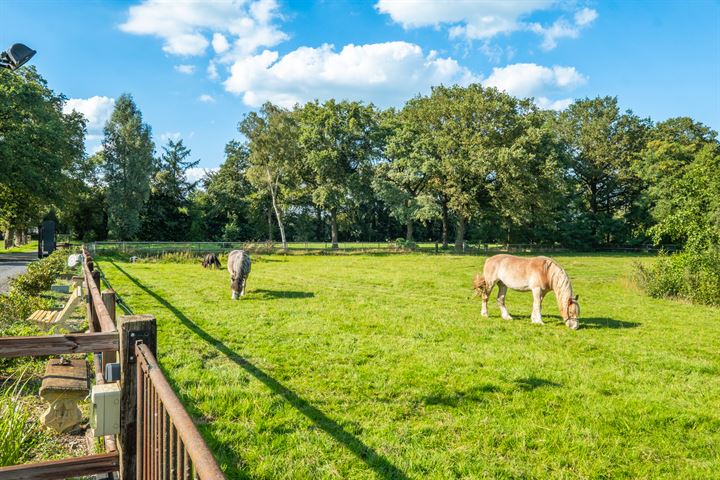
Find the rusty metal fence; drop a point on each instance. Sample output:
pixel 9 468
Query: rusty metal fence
pixel 169 445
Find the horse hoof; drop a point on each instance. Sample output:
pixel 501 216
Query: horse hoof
pixel 507 318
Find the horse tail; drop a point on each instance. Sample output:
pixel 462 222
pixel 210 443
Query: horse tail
pixel 479 284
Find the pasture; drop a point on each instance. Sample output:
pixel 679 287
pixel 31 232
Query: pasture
pixel 380 366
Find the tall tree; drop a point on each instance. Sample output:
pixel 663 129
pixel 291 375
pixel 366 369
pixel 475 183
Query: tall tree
pixel 166 214
pixel 40 147
pixel 275 157
pixel 226 202
pixel 604 145
pixel 128 153
pixel 402 180
pixel 339 141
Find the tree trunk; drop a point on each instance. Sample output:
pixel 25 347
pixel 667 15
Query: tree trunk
pixel 409 232
pixel 24 237
pixel 319 226
pixel 334 228
pixel 445 225
pixel 270 235
pixel 280 223
pixel 9 234
pixel 460 235
pixel 18 237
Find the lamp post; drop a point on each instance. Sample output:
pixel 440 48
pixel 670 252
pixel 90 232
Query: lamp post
pixel 16 56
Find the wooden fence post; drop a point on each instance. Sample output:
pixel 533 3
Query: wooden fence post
pixel 132 328
pixel 108 298
pixel 95 320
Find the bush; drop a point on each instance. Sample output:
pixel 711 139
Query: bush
pixel 694 276
pixel 41 274
pixel 403 244
pixel 19 432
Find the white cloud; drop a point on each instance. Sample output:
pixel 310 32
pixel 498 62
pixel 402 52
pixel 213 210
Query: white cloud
pixel 547 104
pixel 97 110
pixel 186 69
pixel 531 80
pixel 561 28
pixel 528 79
pixel 205 98
pixel 220 43
pixel 174 136
pixel 473 20
pixel 185 26
pixel 384 73
pixel 196 173
pixel 212 71
pixel 585 17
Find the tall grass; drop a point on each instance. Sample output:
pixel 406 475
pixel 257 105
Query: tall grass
pixel 19 432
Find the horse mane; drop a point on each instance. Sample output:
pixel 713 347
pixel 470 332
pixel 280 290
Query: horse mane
pixel 560 282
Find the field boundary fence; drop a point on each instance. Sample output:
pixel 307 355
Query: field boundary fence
pixel 157 438
pixel 200 248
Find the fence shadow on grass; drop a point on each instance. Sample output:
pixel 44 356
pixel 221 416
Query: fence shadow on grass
pixel 381 465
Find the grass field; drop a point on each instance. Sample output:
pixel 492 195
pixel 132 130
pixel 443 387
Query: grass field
pixel 380 366
pixel 27 248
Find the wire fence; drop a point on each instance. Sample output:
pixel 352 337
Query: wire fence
pixel 201 248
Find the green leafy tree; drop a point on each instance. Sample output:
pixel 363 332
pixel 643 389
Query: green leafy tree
pixel 167 212
pixel 339 140
pixel 40 147
pixel 275 156
pixel 225 204
pixel 604 145
pixel 128 153
pixel 403 179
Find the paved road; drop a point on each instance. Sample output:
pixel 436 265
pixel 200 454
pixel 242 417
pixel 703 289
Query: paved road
pixel 12 265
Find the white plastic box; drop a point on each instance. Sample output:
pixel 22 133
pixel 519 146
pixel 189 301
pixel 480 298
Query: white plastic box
pixel 105 416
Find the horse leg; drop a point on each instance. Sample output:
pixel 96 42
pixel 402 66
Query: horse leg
pixel 485 296
pixel 244 283
pixel 536 316
pixel 502 290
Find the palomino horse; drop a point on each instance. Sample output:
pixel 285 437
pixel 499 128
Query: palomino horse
pixel 239 268
pixel 538 274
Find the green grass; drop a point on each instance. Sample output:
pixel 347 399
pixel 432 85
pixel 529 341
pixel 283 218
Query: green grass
pixel 27 248
pixel 380 366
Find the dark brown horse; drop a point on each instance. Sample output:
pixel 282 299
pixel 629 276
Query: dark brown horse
pixel 211 261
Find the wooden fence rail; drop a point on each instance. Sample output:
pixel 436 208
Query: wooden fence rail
pixel 142 384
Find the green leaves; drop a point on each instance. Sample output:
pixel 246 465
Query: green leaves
pixel 128 153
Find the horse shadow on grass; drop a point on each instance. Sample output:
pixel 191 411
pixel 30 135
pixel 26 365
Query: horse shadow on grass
pixel 596 322
pixel 379 464
pixel 286 294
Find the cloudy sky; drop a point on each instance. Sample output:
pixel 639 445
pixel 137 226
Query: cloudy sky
pixel 195 67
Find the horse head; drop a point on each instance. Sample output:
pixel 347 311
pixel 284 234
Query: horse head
pixel 573 313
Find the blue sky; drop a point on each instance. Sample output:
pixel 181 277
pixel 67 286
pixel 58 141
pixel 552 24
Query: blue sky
pixel 195 68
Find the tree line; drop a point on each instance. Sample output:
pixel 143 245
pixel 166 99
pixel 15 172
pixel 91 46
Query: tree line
pixel 459 164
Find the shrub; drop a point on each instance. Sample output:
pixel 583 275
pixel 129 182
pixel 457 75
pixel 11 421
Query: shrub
pixel 694 276
pixel 403 244
pixel 19 432
pixel 41 274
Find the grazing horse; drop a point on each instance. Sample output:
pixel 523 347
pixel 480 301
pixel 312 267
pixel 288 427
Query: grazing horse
pixel 211 261
pixel 239 268
pixel 538 274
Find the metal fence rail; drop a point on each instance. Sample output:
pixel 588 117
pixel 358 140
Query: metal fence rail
pixel 169 445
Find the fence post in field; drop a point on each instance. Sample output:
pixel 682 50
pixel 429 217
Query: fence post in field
pixel 133 328
pixel 108 298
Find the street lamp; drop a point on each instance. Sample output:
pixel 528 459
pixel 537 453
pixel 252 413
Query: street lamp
pixel 16 56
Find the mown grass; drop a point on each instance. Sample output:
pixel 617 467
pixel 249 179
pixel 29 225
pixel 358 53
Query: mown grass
pixel 27 248
pixel 380 366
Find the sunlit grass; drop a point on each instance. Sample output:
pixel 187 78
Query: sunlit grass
pixel 381 367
